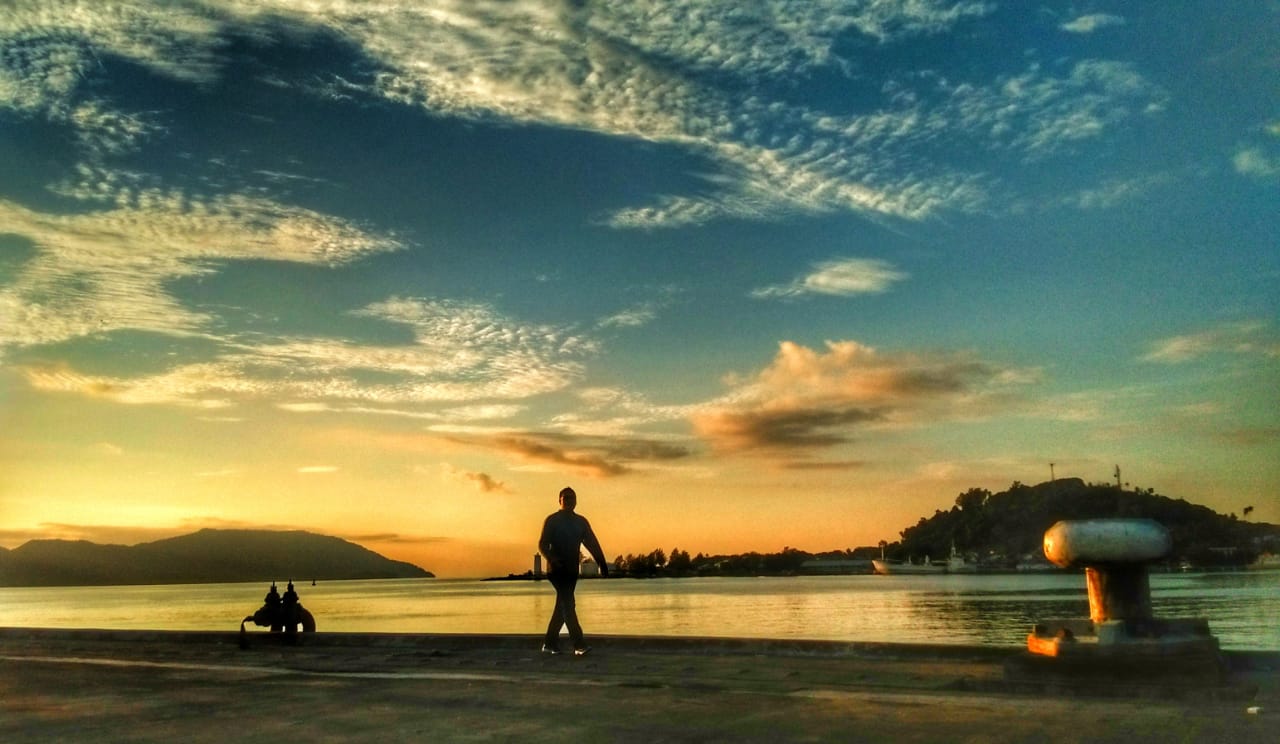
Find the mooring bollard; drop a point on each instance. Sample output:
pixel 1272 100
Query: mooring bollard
pixel 1121 637
pixel 1114 553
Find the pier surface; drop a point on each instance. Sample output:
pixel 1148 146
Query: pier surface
pixel 85 685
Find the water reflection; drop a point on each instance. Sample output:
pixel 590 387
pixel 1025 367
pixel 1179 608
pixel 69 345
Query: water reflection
pixel 992 610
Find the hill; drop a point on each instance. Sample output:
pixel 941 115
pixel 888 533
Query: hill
pixel 1000 529
pixel 207 556
pixel 1012 523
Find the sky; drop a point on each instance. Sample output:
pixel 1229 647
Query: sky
pixel 747 276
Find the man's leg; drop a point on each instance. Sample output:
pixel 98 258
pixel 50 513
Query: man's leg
pixel 552 639
pixel 569 608
pixel 566 610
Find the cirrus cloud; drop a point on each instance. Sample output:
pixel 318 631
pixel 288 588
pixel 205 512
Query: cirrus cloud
pixel 692 74
pixel 1245 338
pixel 1087 24
pixel 844 277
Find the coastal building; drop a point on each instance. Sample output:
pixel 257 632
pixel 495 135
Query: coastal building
pixel 588 568
pixel 836 566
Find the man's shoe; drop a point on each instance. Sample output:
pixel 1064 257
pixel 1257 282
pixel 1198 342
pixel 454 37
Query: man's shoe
pixel 581 651
pixel 550 650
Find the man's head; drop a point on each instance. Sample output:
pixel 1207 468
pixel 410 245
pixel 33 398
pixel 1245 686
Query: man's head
pixel 568 499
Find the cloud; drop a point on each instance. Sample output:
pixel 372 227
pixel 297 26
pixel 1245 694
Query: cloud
pixel 825 465
pixel 691 74
pixel 1256 163
pixel 461 352
pixel 1087 24
pixel 1252 436
pixel 845 277
pixel 1115 192
pixel 1039 114
pixel 223 473
pixel 1246 338
pixel 599 457
pixel 121 534
pixel 134 535
pixel 807 400
pixel 630 318
pixel 482 482
pixel 395 538
pixel 317 469
pixel 107 448
pixel 109 270
pixel 780 427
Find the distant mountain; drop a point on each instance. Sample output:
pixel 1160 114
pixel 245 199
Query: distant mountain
pixel 207 556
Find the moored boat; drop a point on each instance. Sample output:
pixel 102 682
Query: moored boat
pixel 1265 562
pixel 955 563
pixel 887 567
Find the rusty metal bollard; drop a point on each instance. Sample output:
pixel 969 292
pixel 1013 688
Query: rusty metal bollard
pixel 1114 553
pixel 1121 637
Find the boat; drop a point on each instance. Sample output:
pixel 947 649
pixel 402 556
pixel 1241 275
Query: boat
pixel 1265 562
pixel 955 563
pixel 1034 563
pixel 894 568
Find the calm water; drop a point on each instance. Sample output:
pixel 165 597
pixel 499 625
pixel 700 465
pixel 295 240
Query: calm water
pixel 1242 608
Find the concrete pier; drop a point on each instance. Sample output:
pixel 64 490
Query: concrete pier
pixel 146 686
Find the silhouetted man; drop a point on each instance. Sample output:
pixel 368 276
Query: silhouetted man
pixel 562 534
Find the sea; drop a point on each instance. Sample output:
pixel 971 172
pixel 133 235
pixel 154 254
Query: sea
pixel 983 609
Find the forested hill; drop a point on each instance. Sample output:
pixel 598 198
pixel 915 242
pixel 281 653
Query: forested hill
pixel 1012 523
pixel 207 556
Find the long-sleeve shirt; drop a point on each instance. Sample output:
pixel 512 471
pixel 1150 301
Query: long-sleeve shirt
pixel 562 533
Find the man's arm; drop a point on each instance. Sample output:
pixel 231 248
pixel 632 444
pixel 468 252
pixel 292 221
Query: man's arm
pixel 545 546
pixel 593 547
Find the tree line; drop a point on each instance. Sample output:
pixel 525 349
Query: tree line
pixel 998 529
pixel 789 561
pixel 1001 527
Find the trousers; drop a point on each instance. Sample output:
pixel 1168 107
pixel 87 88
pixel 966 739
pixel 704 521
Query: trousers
pixel 565 613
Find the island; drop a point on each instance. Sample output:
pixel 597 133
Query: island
pixel 204 557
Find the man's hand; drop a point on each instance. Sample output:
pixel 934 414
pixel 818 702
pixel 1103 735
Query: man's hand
pixel 604 570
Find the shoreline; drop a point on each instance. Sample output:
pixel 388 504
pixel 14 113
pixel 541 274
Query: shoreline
pixel 202 686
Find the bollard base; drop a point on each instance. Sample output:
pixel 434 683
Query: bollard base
pixel 1118 657
pixel 1143 638
pixel 1197 677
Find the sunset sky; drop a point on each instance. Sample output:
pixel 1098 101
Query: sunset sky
pixel 746 275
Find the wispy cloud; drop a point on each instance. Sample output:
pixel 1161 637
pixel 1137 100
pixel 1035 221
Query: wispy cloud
pixel 120 534
pixel 109 270
pixel 1256 162
pixel 1116 192
pixel 223 473
pixel 687 74
pixel 317 469
pixel 482 482
pixel 107 448
pixel 598 457
pixel 844 277
pixel 1087 24
pixel 461 353
pixel 1038 113
pixel 632 317
pixel 1247 338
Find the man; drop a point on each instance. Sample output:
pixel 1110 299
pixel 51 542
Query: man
pixel 562 534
